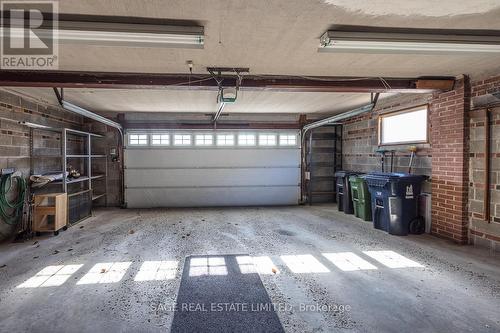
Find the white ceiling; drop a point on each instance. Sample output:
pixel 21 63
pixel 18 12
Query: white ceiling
pixel 429 8
pixel 270 37
pixel 282 36
pixel 154 100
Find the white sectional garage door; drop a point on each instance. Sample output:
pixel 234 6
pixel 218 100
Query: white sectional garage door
pixel 189 175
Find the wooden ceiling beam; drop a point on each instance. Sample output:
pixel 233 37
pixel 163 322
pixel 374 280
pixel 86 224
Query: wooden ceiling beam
pixel 107 80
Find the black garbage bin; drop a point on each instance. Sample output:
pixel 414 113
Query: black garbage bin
pixel 394 199
pixel 344 197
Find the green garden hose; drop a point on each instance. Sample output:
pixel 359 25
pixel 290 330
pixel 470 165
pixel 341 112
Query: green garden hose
pixel 11 211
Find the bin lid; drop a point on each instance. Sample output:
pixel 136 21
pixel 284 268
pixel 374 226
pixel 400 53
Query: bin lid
pixel 357 178
pixel 393 176
pixel 343 173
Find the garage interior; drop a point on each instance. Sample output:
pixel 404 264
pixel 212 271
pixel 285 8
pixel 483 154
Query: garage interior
pixel 179 169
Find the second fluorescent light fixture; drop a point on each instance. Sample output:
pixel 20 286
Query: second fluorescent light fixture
pixel 412 41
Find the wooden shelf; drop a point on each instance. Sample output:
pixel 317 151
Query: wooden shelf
pixel 51 204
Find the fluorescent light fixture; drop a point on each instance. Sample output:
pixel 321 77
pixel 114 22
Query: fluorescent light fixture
pixel 86 113
pixel 424 41
pixel 121 34
pixel 33 125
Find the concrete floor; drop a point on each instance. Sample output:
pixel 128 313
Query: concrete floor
pixel 456 290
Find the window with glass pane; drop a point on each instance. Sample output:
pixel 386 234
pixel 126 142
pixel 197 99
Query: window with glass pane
pixel 160 139
pixel 288 139
pixel 203 139
pixel 404 127
pixel 267 140
pixel 225 140
pixel 246 139
pixel 182 139
pixel 138 139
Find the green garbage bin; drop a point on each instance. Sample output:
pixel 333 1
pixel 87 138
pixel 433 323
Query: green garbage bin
pixel 361 198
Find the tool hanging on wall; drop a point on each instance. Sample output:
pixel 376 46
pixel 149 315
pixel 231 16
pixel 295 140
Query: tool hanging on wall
pixel 413 150
pixel 383 152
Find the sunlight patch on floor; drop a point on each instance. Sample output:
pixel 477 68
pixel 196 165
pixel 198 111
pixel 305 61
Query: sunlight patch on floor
pixel 207 266
pixel 51 276
pixel 348 261
pixel 157 271
pixel 109 272
pixel 304 263
pixel 392 259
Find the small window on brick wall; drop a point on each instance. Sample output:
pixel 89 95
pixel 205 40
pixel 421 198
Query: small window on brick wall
pixel 404 127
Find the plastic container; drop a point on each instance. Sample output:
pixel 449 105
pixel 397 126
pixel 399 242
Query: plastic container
pixel 361 198
pixel 344 198
pixel 394 201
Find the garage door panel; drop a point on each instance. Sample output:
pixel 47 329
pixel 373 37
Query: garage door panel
pixel 206 158
pixel 210 197
pixel 211 177
pixel 197 176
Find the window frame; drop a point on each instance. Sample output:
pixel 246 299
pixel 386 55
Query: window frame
pixel 288 135
pixel 129 144
pixel 403 111
pixel 190 144
pixel 195 144
pixel 276 139
pixel 225 134
pixel 255 139
pixel 159 144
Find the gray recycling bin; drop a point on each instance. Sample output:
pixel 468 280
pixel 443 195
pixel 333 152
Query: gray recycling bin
pixel 394 199
pixel 344 197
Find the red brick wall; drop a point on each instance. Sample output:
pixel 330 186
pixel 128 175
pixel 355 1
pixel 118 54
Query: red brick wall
pixel 457 159
pixel 450 164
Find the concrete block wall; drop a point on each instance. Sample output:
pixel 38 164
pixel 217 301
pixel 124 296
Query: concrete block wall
pixel 360 140
pixel 14 138
pixel 454 159
pixel 484 231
